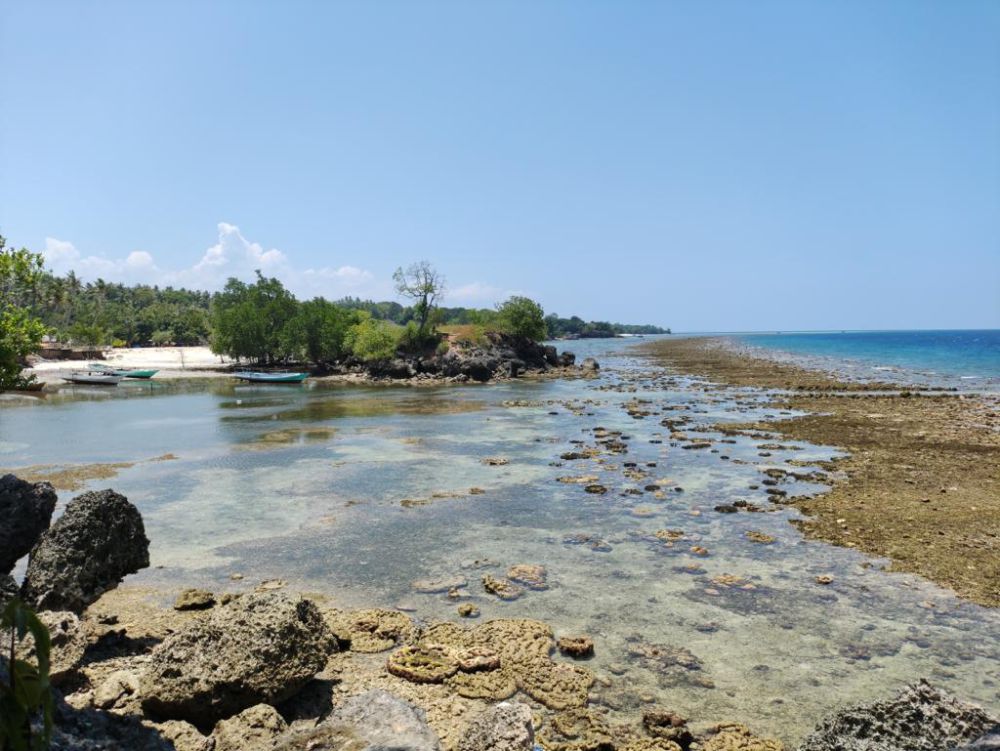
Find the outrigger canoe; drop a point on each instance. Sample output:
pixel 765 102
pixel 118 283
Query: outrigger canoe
pixel 92 378
pixel 122 373
pixel 276 377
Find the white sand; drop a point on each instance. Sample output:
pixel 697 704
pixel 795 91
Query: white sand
pixel 172 362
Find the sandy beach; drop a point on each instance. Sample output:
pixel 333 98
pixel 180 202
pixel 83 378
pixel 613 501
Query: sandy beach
pixel 172 362
pixel 921 483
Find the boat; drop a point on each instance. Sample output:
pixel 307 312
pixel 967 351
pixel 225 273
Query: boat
pixel 93 378
pixel 275 377
pixel 121 372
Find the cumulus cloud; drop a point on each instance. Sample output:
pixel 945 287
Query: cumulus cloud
pixel 232 255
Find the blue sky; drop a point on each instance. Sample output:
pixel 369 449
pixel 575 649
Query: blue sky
pixel 701 165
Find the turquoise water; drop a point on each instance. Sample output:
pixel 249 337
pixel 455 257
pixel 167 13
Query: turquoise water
pixel 963 359
pixel 356 492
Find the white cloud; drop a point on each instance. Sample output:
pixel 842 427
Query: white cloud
pixel 231 256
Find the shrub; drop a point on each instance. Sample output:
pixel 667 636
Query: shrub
pixel 522 316
pixel 25 693
pixel 374 340
pixel 161 338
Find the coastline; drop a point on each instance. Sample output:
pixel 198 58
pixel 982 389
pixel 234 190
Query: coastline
pixel 920 485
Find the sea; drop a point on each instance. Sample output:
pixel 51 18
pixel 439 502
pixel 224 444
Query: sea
pixel 962 359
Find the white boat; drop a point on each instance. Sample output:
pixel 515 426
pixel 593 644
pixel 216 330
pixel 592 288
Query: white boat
pixel 93 378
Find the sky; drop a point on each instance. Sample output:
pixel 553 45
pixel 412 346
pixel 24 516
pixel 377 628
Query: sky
pixel 708 166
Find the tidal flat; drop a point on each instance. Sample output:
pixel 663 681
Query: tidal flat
pixel 671 547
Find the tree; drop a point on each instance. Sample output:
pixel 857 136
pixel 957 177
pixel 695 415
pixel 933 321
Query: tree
pixel 421 283
pixel 249 320
pixel 20 332
pixel 522 316
pixel 319 330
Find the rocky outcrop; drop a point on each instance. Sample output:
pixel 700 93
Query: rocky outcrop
pixel 498 356
pixel 504 727
pixel 919 718
pixel 25 511
pixel 260 648
pixel 97 541
pixel 373 721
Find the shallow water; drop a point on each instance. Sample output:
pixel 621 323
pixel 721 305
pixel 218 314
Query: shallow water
pixel 357 492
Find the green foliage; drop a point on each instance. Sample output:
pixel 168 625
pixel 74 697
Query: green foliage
pixel 87 334
pixel 319 330
pixel 249 320
pixel 20 332
pixel 522 316
pixel 161 338
pixel 576 327
pixel 372 340
pixel 25 694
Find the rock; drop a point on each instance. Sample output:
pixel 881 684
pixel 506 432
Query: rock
pixel 97 541
pixel 591 365
pixel 919 718
pixel 182 735
pixel 988 742
pixel 576 646
pixel 468 610
pixel 503 727
pixel 662 723
pixel 68 642
pixel 422 664
pixel 502 588
pixel 567 359
pixel 8 589
pixel 437 586
pixel 372 721
pixel 94 730
pixel 260 648
pixel 25 511
pixel 254 729
pixel 194 599
pixel 117 685
pixel 530 575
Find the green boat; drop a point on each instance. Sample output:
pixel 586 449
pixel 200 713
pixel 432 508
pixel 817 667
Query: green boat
pixel 276 377
pixel 122 373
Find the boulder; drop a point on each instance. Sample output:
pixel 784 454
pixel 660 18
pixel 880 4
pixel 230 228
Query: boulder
pixel 567 359
pixel 590 365
pixel 551 355
pixel 919 718
pixel 373 721
pixel 260 648
pixel 254 729
pixel 25 511
pixel 97 541
pixel 503 727
pixel 194 599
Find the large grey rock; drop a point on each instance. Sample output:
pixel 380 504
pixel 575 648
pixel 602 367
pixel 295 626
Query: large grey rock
pixel 919 718
pixel 373 721
pixel 260 648
pixel 97 541
pixel 503 727
pixel 25 511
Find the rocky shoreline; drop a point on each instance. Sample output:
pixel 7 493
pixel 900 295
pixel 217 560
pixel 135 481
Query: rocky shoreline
pixel 267 669
pixel 921 480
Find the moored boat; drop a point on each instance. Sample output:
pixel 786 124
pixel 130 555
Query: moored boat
pixel 122 372
pixel 275 377
pixel 93 378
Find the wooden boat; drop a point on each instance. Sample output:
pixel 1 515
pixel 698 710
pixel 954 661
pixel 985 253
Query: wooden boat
pixel 276 377
pixel 123 373
pixel 93 378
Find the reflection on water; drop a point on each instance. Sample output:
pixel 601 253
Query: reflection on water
pixel 357 492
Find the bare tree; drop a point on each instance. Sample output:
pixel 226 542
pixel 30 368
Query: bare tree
pixel 423 284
